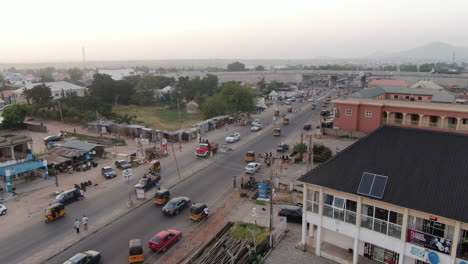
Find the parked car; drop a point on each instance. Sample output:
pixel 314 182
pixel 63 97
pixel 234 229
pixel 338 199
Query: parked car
pixel 311 100
pixel 58 137
pixel 256 128
pixel 292 215
pixel 282 147
pixel 175 205
pixel 255 122
pixel 252 167
pixel 164 239
pixel 325 113
pixel 233 138
pixel 122 164
pixel 88 257
pixel 288 102
pixel 67 197
pixel 148 182
pixel 108 172
pixel 3 209
pixel 307 126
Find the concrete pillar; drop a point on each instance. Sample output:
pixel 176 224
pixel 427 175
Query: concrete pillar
pixel 404 119
pixel 388 115
pixel 355 251
pixel 318 242
pixel 304 219
pixel 404 225
pixel 358 212
pixel 456 238
pixel 442 118
pixel 12 151
pixel 458 123
pixel 420 119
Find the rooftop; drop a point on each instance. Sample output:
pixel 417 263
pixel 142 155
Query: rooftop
pixel 438 95
pixel 389 83
pixel 426 169
pixel 54 86
pixel 84 146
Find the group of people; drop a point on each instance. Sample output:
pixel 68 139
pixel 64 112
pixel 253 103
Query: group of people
pixel 77 224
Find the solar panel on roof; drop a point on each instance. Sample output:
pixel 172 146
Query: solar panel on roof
pixel 365 185
pixel 378 187
pixel 372 185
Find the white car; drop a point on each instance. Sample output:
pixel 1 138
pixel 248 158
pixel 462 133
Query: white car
pixel 3 209
pixel 288 102
pixel 311 100
pixel 252 167
pixel 256 122
pixel 256 128
pixel 233 138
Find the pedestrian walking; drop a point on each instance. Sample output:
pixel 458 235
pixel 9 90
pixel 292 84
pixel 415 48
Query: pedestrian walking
pixel 242 183
pixel 84 220
pixel 76 225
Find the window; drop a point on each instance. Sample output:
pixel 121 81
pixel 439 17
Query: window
pixel 462 251
pixel 465 121
pixel 339 208
pixel 395 97
pixel 313 201
pixel 368 114
pixel 381 220
pixel 57 94
pixel 434 230
pixel 407 97
pixel 348 112
pixel 419 98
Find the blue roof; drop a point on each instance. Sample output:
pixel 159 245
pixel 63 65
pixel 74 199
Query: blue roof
pixel 22 167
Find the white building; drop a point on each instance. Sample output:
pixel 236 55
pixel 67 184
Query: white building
pixel 396 196
pixel 57 88
pixel 161 92
pixel 118 74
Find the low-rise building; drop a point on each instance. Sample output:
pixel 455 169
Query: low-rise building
pixel 395 196
pixel 118 74
pixel 17 164
pixel 58 89
pixel 389 83
pixel 369 109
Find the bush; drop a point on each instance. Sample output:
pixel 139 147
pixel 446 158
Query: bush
pixel 321 153
pixel 344 136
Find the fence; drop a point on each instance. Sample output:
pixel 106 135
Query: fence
pixel 340 133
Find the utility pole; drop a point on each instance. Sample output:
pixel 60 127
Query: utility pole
pixel 60 109
pixel 177 165
pixel 178 111
pixel 272 189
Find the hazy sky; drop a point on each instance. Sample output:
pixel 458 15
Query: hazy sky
pixel 48 30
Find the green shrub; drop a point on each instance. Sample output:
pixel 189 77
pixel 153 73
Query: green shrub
pixel 321 153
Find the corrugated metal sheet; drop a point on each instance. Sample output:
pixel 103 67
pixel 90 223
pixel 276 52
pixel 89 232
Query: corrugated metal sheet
pixel 427 170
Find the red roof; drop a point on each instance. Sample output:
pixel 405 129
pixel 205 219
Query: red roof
pixel 389 83
pixel 7 93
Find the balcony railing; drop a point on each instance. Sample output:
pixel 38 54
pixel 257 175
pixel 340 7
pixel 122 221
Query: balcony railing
pixel 451 126
pixel 384 227
pixel 432 124
pixel 340 214
pixel 414 122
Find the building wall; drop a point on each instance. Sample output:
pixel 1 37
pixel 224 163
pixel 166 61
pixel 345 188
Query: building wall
pixel 343 121
pixel 402 97
pixel 365 123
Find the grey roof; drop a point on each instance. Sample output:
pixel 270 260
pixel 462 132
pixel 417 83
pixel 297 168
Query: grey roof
pixel 101 123
pixel 56 86
pixel 135 126
pixel 438 95
pixel 85 146
pixel 426 169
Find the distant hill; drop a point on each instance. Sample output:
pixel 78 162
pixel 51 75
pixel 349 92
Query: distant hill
pixel 438 50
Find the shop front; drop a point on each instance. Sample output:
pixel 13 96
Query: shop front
pixel 19 172
pixel 380 254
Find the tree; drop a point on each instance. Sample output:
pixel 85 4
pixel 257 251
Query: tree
pixel 232 98
pixel 103 87
pixel 236 66
pixel 13 116
pixel 272 86
pixel 259 68
pixel 147 86
pixel 408 68
pixel 46 74
pixel 2 80
pixel 300 148
pixel 40 94
pixel 76 74
pixel 261 84
pixel 321 153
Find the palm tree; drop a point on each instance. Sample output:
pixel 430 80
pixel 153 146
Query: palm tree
pixel 300 148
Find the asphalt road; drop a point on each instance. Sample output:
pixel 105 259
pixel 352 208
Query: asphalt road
pixel 143 222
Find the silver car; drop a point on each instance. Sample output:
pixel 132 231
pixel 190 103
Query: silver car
pixel 252 167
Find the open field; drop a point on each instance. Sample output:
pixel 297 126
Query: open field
pixel 159 117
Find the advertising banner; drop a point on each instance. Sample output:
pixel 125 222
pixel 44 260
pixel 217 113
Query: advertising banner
pixel 438 244
pixel 262 191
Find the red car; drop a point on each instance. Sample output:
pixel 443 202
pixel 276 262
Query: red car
pixel 164 239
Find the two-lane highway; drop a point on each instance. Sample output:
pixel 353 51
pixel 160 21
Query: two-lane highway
pixel 204 186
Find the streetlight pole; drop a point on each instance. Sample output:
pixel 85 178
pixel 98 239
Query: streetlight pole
pixel 60 109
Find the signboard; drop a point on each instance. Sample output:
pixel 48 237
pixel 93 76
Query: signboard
pixel 127 175
pixel 438 244
pixel 380 254
pixel 262 191
pixel 417 252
